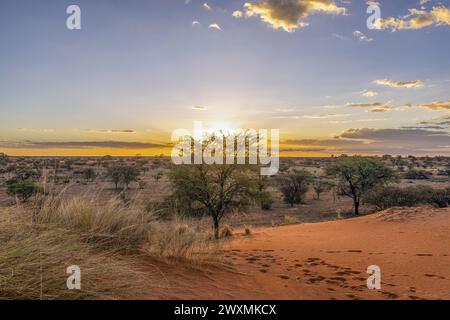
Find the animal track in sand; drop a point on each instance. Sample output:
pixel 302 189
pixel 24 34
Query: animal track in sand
pixel 424 255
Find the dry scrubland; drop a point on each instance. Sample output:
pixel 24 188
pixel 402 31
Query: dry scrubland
pixel 132 240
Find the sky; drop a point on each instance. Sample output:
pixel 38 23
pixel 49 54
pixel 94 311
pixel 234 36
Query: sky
pixel 139 69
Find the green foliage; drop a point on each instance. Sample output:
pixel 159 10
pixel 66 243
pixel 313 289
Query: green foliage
pixel 264 199
pixel 385 197
pixel 123 174
pixel 320 186
pixel 294 185
pixel 89 174
pixel 441 198
pixel 359 175
pixel 212 190
pixel 417 175
pixel 23 189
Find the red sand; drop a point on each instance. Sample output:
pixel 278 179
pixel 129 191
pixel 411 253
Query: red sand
pixel 328 261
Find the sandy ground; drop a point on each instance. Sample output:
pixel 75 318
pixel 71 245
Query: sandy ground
pixel 327 260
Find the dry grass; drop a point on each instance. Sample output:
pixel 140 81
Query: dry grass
pixel 34 259
pixel 178 241
pixel 290 220
pixel 108 224
pixel 106 239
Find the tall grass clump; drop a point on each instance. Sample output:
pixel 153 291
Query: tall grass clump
pixel 106 223
pixel 34 259
pixel 177 241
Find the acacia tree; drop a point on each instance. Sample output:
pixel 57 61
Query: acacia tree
pixel 320 186
pixel 358 175
pixel 294 185
pixel 123 173
pixel 212 190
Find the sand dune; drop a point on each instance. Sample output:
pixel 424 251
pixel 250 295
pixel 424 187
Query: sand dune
pixel 328 261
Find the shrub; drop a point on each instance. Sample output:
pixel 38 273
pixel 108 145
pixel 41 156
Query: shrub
pixel 441 198
pixel 290 220
pixel 226 232
pixel 23 189
pixel 247 231
pixel 178 241
pixel 89 174
pixel 417 175
pixel 265 200
pixel 394 196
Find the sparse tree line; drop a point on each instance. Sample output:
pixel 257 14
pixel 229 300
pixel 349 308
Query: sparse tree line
pixel 217 190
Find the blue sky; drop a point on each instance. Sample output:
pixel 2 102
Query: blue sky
pixel 138 69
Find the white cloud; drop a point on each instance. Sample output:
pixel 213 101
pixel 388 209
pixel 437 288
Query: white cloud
pixel 399 84
pixel 237 14
pixel 214 26
pixel 290 14
pixel 361 36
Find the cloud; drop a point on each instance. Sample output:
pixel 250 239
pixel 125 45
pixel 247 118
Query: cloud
pixel 437 105
pixel 368 93
pixel 206 6
pixel 373 107
pixel 383 107
pixel 416 19
pixel 113 131
pixel 379 141
pixel 290 14
pixel 199 108
pixel 362 37
pixel 36 130
pixel 195 23
pixel 214 26
pixel 400 84
pixel 237 14
pixel 81 145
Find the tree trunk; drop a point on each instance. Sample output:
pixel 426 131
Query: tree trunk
pixel 356 203
pixel 216 228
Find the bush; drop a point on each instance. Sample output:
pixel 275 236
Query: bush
pixel 178 241
pixel 290 220
pixel 394 196
pixel 417 175
pixel 265 200
pixel 441 198
pixel 23 189
pixel 226 232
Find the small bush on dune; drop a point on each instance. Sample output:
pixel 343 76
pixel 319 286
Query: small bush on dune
pixel 247 231
pixel 178 241
pixel 226 232
pixel 289 220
